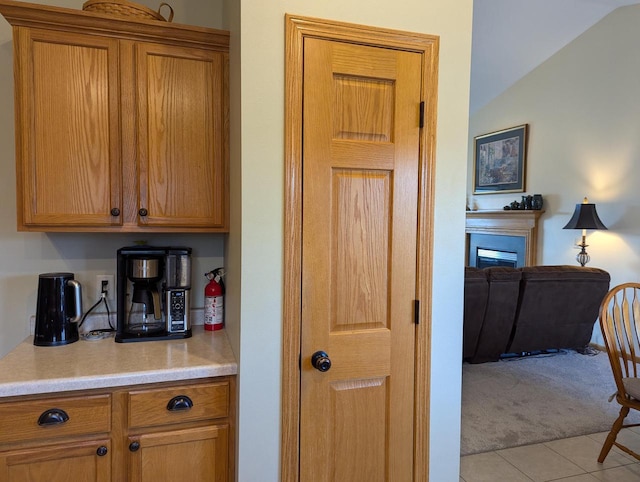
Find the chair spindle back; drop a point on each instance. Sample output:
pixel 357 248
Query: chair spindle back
pixel 620 325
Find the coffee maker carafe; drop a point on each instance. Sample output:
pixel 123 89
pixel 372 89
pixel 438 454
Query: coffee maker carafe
pixel 153 293
pixel 145 312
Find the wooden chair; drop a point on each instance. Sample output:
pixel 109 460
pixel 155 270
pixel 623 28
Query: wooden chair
pixel 620 325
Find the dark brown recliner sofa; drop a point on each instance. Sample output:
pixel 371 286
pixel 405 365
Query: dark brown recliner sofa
pixel 531 309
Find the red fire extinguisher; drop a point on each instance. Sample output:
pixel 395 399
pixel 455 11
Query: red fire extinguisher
pixel 214 300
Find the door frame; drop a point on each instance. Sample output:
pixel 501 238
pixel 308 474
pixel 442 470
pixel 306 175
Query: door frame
pixel 297 28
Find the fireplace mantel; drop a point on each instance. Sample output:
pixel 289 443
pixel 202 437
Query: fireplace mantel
pixel 507 223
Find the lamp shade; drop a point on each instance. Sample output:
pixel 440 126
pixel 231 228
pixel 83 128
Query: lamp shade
pixel 585 217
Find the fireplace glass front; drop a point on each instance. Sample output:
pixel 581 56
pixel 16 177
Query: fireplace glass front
pixel 491 257
pixel 486 250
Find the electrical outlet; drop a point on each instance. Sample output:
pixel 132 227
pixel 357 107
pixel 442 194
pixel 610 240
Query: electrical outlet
pixel 110 286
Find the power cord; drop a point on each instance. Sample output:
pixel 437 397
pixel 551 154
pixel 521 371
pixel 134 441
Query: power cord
pixel 103 298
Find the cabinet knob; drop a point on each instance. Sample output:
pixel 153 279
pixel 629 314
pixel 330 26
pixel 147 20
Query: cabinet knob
pixel 143 212
pixel 115 212
pixel 181 402
pixel 102 451
pixel 134 446
pixel 54 416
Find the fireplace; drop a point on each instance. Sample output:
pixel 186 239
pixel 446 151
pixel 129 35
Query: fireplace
pixel 487 250
pixel 486 258
pixel 502 238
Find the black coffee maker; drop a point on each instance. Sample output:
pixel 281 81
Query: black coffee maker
pixel 58 309
pixel 153 289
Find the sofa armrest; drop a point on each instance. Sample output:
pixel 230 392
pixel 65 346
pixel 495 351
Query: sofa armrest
pixel 476 291
pixel 504 286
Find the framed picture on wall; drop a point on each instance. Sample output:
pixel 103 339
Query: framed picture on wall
pixel 499 161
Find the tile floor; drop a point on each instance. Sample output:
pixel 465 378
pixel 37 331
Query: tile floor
pixel 567 460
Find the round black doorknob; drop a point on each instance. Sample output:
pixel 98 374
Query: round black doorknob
pixel 321 361
pixel 102 451
pixel 143 212
pixel 115 212
pixel 134 446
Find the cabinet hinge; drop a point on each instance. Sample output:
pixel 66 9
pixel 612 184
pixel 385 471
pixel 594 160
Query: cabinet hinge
pixel 421 114
pixel 416 312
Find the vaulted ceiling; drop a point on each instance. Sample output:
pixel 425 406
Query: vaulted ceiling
pixel 512 37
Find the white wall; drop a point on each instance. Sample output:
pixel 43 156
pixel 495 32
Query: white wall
pixel 258 113
pixel 582 108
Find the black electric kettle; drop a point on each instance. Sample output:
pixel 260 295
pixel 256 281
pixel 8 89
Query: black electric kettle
pixel 58 309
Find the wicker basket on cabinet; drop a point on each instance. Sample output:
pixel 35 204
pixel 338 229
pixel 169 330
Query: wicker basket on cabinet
pixel 124 8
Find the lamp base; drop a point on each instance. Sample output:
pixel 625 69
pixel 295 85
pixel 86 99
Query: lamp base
pixel 583 257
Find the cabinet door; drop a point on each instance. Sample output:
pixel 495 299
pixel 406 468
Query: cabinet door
pixel 181 136
pixel 195 454
pixel 86 461
pixel 67 132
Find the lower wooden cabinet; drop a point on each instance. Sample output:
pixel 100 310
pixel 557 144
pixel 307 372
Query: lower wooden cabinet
pixel 196 454
pixel 82 461
pixel 178 432
pixel 155 433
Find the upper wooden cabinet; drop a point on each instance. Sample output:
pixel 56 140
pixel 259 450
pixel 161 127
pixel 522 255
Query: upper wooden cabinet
pixel 121 123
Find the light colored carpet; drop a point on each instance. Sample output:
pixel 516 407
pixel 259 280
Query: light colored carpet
pixel 536 399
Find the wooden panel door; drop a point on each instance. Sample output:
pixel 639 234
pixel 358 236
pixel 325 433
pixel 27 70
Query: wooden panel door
pixel 181 146
pixel 67 132
pixel 86 461
pixel 196 455
pixel 360 185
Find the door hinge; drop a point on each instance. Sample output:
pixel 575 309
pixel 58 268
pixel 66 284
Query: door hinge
pixel 416 311
pixel 421 114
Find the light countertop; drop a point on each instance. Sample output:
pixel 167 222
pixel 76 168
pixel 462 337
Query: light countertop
pixel 30 369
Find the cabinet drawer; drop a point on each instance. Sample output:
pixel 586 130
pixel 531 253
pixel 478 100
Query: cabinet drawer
pixel 180 404
pixel 54 417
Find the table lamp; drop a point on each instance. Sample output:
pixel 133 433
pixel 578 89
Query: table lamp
pixel 584 217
